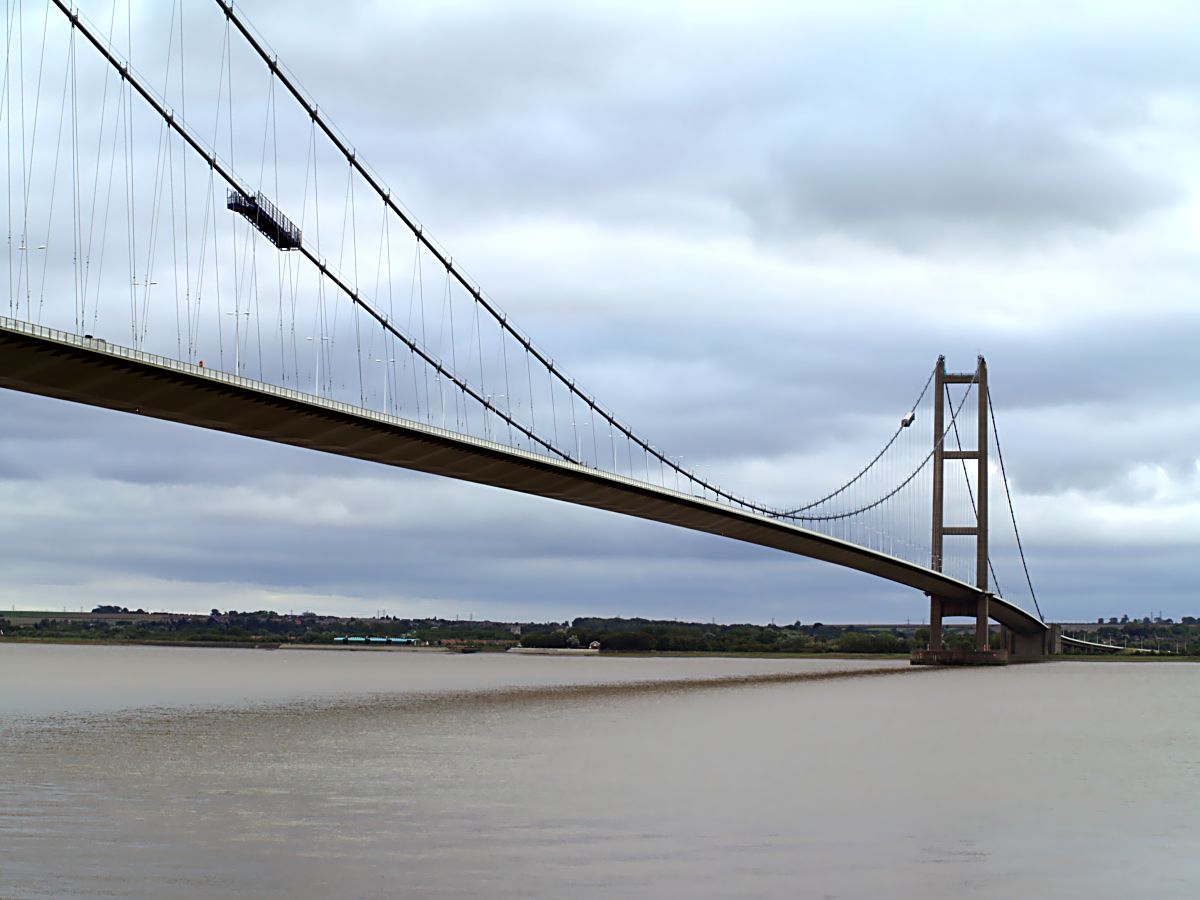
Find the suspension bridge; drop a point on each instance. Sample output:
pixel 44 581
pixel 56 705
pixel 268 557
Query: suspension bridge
pixel 182 251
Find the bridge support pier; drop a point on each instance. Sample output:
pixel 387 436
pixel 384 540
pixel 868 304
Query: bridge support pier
pixel 982 641
pixel 980 655
pixel 939 607
pixel 1024 647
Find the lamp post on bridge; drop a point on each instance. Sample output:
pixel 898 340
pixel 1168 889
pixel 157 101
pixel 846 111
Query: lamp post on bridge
pixel 139 341
pixel 237 338
pixel 386 362
pixel 316 342
pixel 576 424
pixel 442 394
pixel 488 398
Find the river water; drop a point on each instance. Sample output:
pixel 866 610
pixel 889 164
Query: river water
pixel 147 772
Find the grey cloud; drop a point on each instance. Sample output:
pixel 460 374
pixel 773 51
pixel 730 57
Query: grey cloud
pixel 908 128
pixel 569 562
pixel 798 155
pixel 945 181
pixel 877 131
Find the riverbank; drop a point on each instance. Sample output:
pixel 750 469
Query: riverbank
pixel 547 651
pixel 614 635
pixel 117 642
pixel 229 645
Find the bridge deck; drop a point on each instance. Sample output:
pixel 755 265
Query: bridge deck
pixel 69 367
pixel 1097 645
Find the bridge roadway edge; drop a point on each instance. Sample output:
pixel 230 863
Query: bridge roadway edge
pixel 69 367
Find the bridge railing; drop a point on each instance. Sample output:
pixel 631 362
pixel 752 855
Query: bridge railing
pixel 100 345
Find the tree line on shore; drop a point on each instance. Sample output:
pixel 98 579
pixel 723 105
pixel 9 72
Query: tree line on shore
pixel 647 635
pixel 612 634
pixel 261 625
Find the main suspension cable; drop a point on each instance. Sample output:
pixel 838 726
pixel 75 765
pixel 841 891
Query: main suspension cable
pixel 418 348
pixel 899 429
pixel 1011 511
pixel 128 75
pixel 476 293
pixel 837 517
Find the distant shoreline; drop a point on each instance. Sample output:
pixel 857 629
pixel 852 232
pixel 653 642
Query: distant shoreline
pixel 392 648
pixel 231 645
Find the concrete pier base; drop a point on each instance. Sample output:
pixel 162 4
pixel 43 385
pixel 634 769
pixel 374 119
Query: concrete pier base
pixel 960 656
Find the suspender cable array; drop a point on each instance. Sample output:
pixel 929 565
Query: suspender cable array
pixel 904 423
pixel 476 293
pixel 874 504
pixel 484 302
pixel 465 352
pixel 219 167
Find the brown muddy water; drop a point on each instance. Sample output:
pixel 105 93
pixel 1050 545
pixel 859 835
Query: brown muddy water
pixel 148 772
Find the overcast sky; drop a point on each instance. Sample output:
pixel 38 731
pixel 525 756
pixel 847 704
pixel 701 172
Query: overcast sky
pixel 749 230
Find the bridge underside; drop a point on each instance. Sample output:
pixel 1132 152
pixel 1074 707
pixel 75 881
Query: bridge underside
pixel 68 367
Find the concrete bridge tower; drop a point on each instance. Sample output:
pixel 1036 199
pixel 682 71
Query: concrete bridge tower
pixel 940 607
